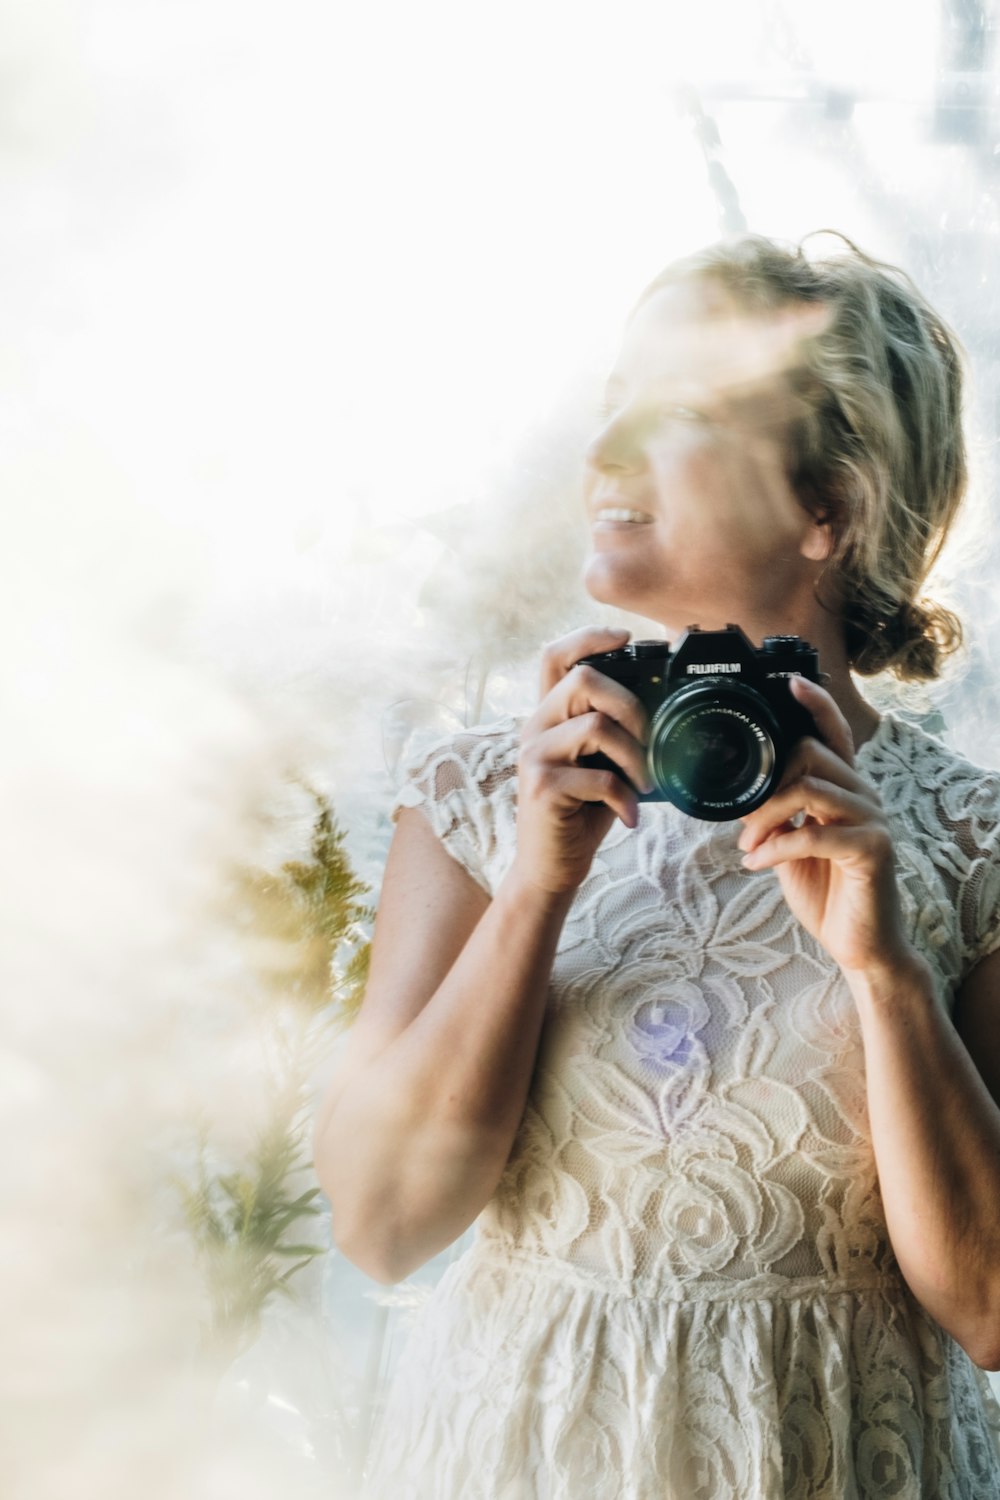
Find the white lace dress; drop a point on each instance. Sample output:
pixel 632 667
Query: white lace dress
pixel 683 1287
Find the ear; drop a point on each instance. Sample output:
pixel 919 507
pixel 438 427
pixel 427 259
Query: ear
pixel 819 513
pixel 817 541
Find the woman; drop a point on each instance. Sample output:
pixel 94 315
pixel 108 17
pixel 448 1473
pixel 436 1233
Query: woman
pixel 722 1094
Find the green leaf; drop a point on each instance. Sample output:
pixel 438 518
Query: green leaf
pixel 292 1270
pixel 308 928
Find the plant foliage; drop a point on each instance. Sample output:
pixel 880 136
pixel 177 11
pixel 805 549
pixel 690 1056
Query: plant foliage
pixel 308 931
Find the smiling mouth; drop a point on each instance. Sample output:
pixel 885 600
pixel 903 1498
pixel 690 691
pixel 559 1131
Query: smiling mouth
pixel 617 515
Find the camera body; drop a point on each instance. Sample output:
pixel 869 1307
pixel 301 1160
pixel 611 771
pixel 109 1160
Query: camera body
pixel 722 716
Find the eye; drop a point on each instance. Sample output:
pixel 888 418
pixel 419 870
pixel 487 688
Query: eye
pixel 670 409
pixel 654 414
pixel 682 413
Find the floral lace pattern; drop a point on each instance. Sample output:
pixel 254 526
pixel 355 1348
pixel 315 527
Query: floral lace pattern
pixel 683 1285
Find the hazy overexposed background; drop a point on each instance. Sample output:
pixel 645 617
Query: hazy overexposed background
pixel 305 308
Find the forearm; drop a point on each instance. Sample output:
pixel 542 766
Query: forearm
pixel 936 1135
pixel 419 1138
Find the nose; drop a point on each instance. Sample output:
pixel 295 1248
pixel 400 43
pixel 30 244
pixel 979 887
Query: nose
pixel 617 445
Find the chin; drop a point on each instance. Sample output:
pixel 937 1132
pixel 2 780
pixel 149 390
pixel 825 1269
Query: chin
pixel 633 591
pixel 607 581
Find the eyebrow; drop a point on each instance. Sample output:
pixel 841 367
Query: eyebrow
pixel 616 386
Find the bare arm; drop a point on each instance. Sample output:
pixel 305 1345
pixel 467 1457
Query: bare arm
pixel 419 1120
pixel 932 1100
pixel 931 1082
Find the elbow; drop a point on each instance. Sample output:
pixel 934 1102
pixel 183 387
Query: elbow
pixel 986 1356
pixel 381 1262
pixel 978 1333
pixel 984 1347
pixel 966 1308
pixel 362 1258
pixel 389 1212
pixel 981 1335
pixel 388 1244
pixel 371 1242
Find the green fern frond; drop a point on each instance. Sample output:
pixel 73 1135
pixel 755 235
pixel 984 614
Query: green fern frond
pixel 308 928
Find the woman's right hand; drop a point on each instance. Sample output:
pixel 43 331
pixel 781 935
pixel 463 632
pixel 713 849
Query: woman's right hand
pixel 564 810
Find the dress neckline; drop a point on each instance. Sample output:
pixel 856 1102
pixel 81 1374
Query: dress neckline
pixel 874 740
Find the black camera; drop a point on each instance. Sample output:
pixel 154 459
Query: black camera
pixel 722 716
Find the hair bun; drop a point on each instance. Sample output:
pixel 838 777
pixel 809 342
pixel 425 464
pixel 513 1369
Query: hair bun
pixel 910 643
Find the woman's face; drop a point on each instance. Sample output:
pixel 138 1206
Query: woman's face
pixel 693 519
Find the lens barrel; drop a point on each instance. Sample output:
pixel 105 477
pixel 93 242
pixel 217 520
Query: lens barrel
pixel 714 749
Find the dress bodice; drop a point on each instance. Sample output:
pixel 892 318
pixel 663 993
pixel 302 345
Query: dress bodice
pixel 683 1287
pixel 697 1113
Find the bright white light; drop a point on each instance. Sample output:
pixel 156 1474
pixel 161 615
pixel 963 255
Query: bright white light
pixel 280 282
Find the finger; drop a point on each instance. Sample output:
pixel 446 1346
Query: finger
pixel 810 757
pixel 831 725
pixel 592 734
pixel 576 784
pixel 810 796
pixel 559 657
pixel 585 688
pixel 847 845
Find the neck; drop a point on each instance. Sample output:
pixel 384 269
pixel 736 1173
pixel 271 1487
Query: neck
pixel 825 630
pixel 862 718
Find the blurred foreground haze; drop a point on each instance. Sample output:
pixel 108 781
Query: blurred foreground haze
pixel 305 311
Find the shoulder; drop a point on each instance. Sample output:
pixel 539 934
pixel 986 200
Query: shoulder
pixel 946 809
pixel 465 783
pixel 477 760
pixel 914 768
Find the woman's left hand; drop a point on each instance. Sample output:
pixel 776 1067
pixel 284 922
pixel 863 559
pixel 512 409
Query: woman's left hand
pixel 837 870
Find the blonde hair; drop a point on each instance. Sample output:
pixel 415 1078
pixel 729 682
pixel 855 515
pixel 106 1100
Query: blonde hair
pixel 878 449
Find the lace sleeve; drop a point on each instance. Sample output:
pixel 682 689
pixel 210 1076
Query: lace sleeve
pixel 946 810
pixel 466 787
pixel 978 837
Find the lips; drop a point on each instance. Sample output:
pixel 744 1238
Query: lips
pixel 620 515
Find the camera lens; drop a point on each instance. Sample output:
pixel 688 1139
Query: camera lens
pixel 715 753
pixel 713 749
